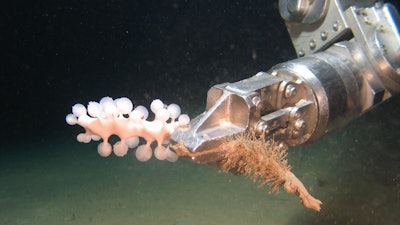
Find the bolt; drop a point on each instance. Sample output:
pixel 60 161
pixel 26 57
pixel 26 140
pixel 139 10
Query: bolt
pixel 312 44
pixel 301 53
pixel 262 128
pixel 324 35
pixel 290 91
pixel 335 26
pixel 299 124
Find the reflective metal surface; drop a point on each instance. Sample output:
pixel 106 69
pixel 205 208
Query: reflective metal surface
pixel 299 101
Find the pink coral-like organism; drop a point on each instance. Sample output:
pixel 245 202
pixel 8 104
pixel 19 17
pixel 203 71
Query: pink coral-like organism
pixel 107 117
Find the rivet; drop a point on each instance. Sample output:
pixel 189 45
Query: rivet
pixel 301 53
pixel 335 26
pixel 312 44
pixel 324 35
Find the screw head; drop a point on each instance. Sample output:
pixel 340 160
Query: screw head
pixel 312 44
pixel 301 53
pixel 290 91
pixel 262 128
pixel 336 26
pixel 299 124
pixel 324 35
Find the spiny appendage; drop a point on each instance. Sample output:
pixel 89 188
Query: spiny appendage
pixel 107 117
pixel 265 161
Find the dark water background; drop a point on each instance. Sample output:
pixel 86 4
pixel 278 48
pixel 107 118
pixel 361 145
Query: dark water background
pixel 58 53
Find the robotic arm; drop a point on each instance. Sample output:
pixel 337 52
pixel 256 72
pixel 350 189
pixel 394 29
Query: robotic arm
pixel 349 61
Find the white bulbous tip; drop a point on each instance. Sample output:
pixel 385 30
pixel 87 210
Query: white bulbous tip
pixel 132 142
pixel 109 106
pixel 71 119
pixel 104 149
pixel 143 110
pixel 155 105
pixel 136 115
pixel 110 110
pixel 143 153
pixel 171 155
pixel 85 119
pixel 106 100
pixel 174 111
pixel 160 152
pixel 162 115
pixel 124 105
pixel 140 112
pixel 183 119
pixel 95 137
pixel 120 148
pixel 83 138
pixel 95 109
pixel 78 110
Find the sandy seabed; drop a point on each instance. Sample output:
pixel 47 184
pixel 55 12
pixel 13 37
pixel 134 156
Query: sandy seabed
pixel 56 180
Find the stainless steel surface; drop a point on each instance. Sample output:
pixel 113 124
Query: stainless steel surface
pixel 302 11
pixel 299 101
pixel 324 23
pixel 229 111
